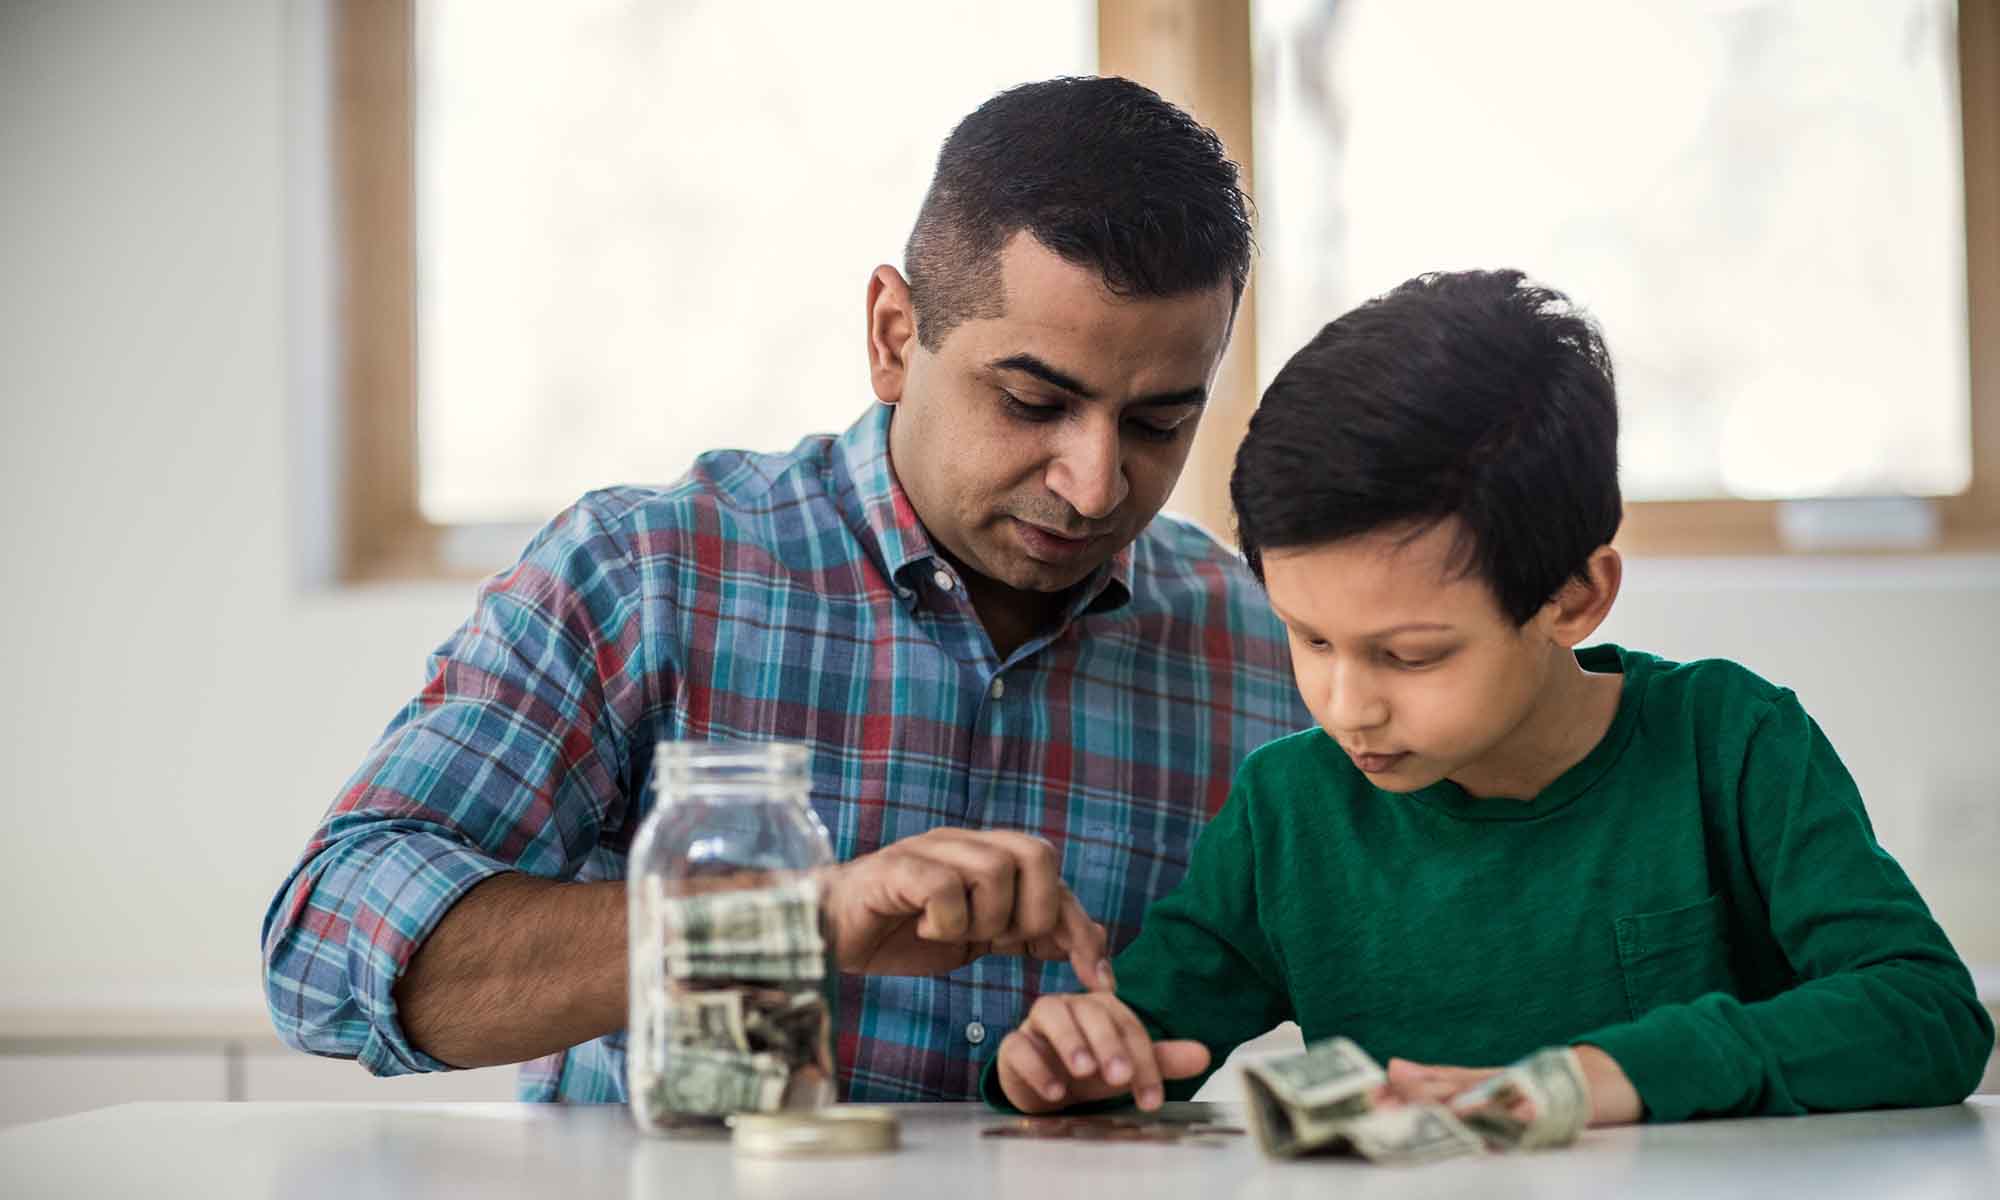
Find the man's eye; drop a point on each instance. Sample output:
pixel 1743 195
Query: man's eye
pixel 1016 407
pixel 1156 433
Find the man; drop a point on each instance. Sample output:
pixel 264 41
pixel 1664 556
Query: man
pixel 1010 671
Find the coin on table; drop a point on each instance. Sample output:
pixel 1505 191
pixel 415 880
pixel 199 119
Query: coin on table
pixel 841 1129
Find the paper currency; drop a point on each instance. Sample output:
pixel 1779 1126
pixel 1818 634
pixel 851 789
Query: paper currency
pixel 1303 1100
pixel 1538 1102
pixel 1327 1099
pixel 1409 1133
pixel 769 933
pixel 728 1013
pixel 709 1019
pixel 700 1081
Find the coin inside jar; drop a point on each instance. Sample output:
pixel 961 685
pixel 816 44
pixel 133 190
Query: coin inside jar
pixel 842 1129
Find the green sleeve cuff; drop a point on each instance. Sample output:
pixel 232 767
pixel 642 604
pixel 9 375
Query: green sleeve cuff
pixel 1677 1073
pixel 989 1087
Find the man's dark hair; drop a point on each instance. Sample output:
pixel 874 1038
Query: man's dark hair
pixel 1476 395
pixel 1101 171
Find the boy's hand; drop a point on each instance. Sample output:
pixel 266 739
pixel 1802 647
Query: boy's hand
pixel 1076 1048
pixel 1419 1083
pixel 1613 1099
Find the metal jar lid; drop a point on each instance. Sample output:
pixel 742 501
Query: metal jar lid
pixel 841 1129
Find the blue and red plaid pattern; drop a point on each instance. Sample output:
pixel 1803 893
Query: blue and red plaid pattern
pixel 788 596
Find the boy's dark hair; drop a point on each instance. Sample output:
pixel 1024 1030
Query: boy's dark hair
pixel 1475 395
pixel 1101 171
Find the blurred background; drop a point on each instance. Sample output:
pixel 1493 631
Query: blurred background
pixel 311 310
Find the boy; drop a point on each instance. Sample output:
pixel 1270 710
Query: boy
pixel 1494 841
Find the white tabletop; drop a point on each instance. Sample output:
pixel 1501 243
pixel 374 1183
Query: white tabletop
pixel 494 1151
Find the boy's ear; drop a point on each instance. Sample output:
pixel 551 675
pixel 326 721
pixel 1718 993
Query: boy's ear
pixel 1583 603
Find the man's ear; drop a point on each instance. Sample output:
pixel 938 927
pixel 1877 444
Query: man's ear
pixel 1583 603
pixel 892 333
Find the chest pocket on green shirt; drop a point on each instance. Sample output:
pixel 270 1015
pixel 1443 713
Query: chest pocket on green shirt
pixel 1673 956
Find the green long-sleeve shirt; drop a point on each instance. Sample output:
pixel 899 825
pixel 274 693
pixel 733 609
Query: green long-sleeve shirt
pixel 1702 897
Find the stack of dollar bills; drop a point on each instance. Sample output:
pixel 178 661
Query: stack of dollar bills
pixel 730 1014
pixel 1325 1099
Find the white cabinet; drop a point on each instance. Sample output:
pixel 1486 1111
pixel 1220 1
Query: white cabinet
pixel 293 1076
pixel 57 1061
pixel 35 1087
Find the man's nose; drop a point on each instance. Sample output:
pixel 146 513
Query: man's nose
pixel 1089 470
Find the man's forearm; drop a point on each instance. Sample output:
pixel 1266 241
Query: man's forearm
pixel 518 968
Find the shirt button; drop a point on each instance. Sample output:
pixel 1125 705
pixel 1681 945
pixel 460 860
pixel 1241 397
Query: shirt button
pixel 999 688
pixel 942 579
pixel 975 1033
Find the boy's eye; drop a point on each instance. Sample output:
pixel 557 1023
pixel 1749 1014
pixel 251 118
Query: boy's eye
pixel 1413 662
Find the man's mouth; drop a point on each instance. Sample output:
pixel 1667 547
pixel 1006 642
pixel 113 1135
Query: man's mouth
pixel 1051 545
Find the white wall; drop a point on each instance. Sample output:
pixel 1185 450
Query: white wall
pixel 180 708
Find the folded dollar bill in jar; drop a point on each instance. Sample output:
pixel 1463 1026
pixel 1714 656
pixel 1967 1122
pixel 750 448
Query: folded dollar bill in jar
pixel 729 1015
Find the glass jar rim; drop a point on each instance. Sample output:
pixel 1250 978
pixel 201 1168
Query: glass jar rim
pixel 731 754
pixel 729 768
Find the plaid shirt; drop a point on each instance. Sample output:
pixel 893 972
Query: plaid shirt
pixel 788 596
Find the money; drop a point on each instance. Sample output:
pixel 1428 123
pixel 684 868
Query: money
pixel 792 1025
pixel 728 1012
pixel 712 1020
pixel 1540 1101
pixel 767 933
pixel 1327 1098
pixel 1409 1133
pixel 702 1082
pixel 1301 1101
pixel 1115 1129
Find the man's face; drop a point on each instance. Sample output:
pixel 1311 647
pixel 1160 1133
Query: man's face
pixel 1037 444
pixel 1414 669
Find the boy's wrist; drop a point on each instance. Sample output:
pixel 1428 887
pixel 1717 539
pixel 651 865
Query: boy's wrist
pixel 1613 1099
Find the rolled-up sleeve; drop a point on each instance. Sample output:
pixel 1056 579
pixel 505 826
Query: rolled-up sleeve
pixel 515 756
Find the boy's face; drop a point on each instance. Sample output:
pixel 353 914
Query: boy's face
pixel 1410 666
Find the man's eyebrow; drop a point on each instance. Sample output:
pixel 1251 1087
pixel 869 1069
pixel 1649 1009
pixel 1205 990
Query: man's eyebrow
pixel 1195 396
pixel 1028 364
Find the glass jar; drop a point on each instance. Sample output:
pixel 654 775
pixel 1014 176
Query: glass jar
pixel 731 973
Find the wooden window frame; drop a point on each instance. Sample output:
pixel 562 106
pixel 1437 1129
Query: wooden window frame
pixel 1196 53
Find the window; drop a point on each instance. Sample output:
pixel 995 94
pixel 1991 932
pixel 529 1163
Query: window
pixel 643 230
pixel 583 242
pixel 1762 202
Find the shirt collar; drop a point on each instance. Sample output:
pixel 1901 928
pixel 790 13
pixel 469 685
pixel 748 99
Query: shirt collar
pixel 879 511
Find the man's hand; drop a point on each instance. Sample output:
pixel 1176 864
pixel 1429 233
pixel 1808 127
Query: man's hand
pixel 1077 1048
pixel 1613 1099
pixel 932 903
